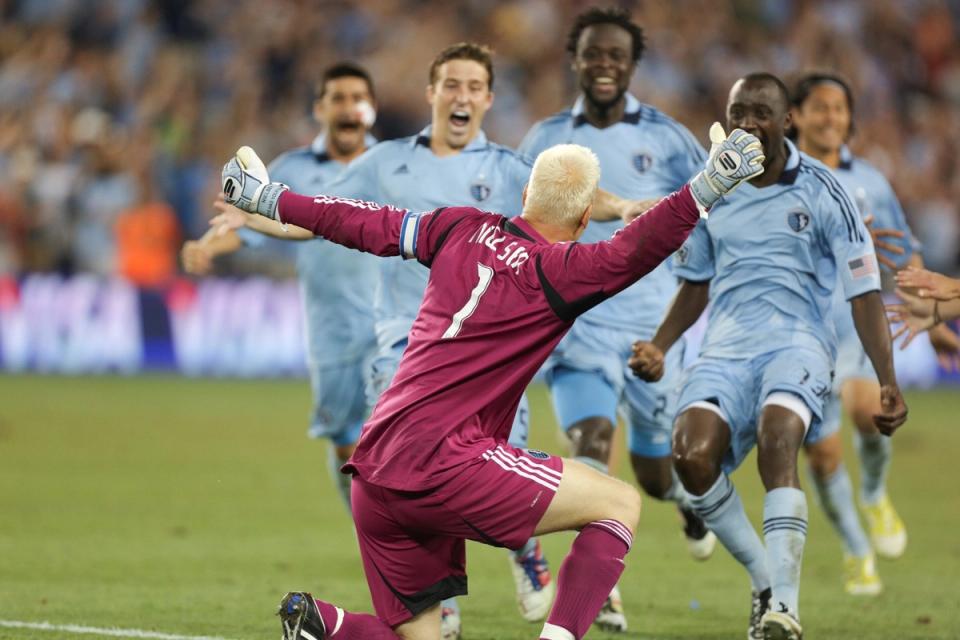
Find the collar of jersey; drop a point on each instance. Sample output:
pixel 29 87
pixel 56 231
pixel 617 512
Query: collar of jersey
pixel 479 141
pixel 520 227
pixel 319 146
pixel 631 112
pixel 846 158
pixel 792 166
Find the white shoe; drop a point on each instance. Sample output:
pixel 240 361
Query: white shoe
pixel 449 624
pixel 781 625
pixel 535 589
pixel 611 617
pixel 700 540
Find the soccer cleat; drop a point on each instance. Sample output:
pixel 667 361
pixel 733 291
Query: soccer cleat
pixel 700 540
pixel 535 589
pixel 449 624
pixel 781 625
pixel 611 617
pixel 860 576
pixel 759 605
pixel 887 531
pixel 300 618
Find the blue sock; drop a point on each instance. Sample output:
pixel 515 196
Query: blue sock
pixel 340 480
pixel 785 532
pixel 875 452
pixel 836 497
pixel 722 511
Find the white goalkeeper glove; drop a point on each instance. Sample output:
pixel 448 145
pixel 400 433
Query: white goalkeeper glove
pixel 247 186
pixel 733 159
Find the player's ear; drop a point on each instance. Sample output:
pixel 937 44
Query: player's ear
pixel 523 196
pixel 584 221
pixel 318 115
pixel 431 94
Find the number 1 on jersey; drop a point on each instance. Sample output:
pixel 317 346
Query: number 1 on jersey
pixel 485 274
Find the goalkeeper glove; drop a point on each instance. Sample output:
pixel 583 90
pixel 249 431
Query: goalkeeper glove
pixel 247 186
pixel 732 160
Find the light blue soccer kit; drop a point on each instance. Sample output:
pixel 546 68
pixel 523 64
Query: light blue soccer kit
pixel 645 155
pixel 406 173
pixel 337 286
pixel 873 195
pixel 773 257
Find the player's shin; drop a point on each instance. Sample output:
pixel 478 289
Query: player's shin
pixel 586 577
pixel 785 533
pixel 835 493
pixel 723 512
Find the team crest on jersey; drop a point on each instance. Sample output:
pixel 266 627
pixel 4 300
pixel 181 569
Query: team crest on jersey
pixel 798 220
pixel 479 191
pixel 642 162
pixel 540 455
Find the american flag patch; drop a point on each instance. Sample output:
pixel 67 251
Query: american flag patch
pixel 863 266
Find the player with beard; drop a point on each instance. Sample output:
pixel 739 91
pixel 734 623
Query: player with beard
pixel 645 154
pixel 767 260
pixel 336 284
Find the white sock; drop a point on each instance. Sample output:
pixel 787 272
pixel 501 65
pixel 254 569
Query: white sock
pixel 785 532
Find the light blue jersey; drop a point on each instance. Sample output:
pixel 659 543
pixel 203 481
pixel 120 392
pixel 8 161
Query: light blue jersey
pixel 407 174
pixel 337 283
pixel 874 196
pixel 645 155
pixel 337 287
pixel 774 256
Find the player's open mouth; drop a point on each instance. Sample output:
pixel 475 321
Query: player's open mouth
pixel 604 83
pixel 348 125
pixel 459 118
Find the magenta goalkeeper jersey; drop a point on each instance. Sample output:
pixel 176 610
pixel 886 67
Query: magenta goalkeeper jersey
pixel 498 300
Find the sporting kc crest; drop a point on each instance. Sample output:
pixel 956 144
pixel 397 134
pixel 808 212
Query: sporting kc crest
pixel 798 220
pixel 479 191
pixel 642 162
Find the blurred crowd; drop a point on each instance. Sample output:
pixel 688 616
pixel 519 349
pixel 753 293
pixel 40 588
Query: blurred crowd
pixel 116 115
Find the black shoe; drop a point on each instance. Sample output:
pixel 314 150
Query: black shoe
pixel 700 540
pixel 300 618
pixel 759 605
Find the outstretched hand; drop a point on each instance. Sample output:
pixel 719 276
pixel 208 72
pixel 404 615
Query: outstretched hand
pixel 229 217
pixel 914 315
pixel 876 235
pixel 929 284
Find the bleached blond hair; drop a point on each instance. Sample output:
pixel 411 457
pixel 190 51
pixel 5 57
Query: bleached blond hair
pixel 563 183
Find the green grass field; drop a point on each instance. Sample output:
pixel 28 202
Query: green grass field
pixel 190 506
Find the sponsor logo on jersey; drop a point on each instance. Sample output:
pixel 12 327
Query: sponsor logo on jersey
pixel 642 162
pixel 479 191
pixel 540 455
pixel 798 220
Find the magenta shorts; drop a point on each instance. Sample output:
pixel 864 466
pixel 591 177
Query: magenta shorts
pixel 413 544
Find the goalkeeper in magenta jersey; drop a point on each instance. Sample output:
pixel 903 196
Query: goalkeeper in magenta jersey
pixel 433 467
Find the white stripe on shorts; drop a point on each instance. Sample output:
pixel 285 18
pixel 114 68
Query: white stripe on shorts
pixel 508 464
pixel 529 466
pixel 793 403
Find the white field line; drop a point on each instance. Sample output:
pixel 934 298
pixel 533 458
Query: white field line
pixel 117 633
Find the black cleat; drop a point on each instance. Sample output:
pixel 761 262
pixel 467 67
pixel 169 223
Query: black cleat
pixel 700 540
pixel 300 618
pixel 759 605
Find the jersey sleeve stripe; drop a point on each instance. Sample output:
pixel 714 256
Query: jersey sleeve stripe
pixel 408 235
pixel 836 192
pixel 840 194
